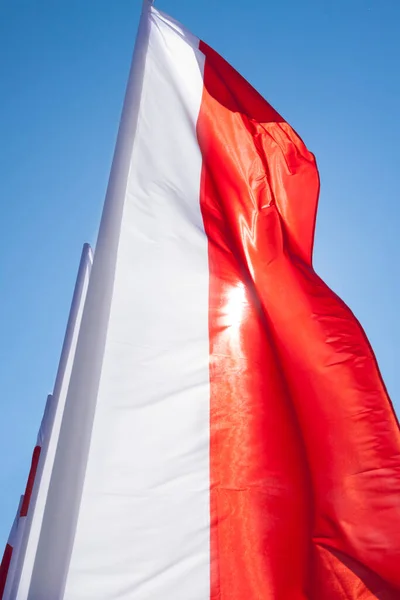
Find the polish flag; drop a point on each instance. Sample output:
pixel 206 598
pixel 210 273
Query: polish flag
pixel 227 434
pixel 17 564
pixel 12 552
pixel 11 546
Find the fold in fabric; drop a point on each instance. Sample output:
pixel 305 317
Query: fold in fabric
pixel 305 445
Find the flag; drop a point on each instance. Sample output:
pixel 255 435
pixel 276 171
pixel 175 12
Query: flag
pixel 11 546
pixel 227 434
pixel 28 524
pixel 12 554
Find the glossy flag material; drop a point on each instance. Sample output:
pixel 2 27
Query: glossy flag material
pixel 227 434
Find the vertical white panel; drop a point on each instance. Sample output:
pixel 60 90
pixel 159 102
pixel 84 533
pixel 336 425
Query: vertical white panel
pixel 128 509
pixel 65 490
pixel 143 527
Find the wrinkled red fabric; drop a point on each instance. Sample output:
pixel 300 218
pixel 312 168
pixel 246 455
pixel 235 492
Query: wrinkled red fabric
pixel 305 445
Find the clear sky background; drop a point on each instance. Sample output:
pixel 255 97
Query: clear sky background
pixel 330 67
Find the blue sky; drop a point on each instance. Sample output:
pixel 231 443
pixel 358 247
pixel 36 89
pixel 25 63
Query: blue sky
pixel 330 68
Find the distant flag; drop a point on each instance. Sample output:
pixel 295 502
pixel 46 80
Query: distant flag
pixel 11 561
pixel 11 546
pixel 226 434
pixel 34 499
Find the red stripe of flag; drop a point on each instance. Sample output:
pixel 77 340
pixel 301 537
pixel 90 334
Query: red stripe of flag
pixel 4 567
pixel 304 443
pixel 30 481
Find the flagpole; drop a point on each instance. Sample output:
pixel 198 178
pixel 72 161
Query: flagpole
pixel 57 534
